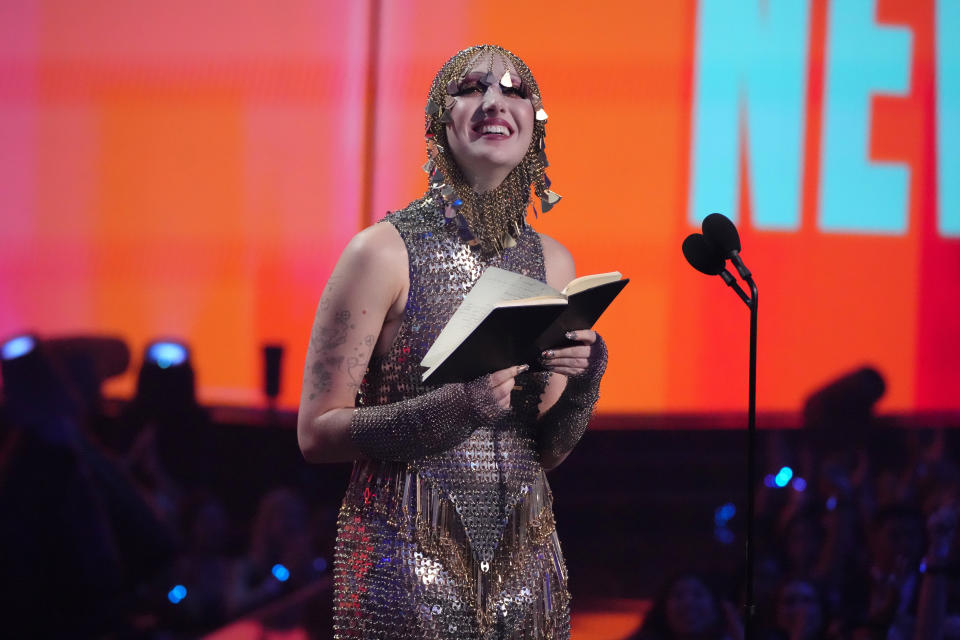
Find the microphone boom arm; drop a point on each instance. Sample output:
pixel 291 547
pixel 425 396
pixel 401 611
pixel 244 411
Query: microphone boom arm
pixel 732 283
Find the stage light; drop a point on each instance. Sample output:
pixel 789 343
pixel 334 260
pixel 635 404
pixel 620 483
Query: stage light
pixel 783 477
pixel 723 514
pixel 281 573
pixel 831 503
pixel 17 347
pixel 799 484
pixel 723 535
pixel 166 383
pixel 167 354
pixel 769 481
pixel 320 564
pixel 177 594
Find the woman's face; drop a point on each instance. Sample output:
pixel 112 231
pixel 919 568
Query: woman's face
pixel 492 125
pixel 690 607
pixel 799 607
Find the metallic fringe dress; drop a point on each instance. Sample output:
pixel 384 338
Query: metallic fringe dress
pixel 460 544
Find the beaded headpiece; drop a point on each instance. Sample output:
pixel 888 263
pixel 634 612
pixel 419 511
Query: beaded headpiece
pixel 491 220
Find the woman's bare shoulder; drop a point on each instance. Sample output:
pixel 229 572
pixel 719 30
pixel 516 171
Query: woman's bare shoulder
pixel 379 246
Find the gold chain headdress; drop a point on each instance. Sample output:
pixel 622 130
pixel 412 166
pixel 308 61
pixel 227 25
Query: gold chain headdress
pixel 491 220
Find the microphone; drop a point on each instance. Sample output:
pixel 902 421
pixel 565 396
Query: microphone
pixel 705 258
pixel 722 234
pixel 702 256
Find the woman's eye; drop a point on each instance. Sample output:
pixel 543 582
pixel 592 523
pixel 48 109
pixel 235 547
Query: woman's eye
pixel 514 91
pixel 470 88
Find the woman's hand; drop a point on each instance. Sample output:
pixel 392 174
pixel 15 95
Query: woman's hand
pixel 501 383
pixel 493 390
pixel 574 360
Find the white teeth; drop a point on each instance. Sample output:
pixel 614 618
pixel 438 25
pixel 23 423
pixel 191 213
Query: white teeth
pixel 495 128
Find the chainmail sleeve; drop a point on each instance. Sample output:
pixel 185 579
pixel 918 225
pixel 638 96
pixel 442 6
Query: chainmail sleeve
pixel 424 425
pixel 562 426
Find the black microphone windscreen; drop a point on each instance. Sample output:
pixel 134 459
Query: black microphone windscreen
pixel 701 255
pixel 721 233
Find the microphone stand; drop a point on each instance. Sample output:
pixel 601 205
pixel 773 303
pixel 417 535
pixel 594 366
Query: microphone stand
pixel 710 260
pixel 751 302
pixel 751 459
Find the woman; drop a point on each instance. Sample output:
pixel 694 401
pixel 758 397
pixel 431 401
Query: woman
pixel 446 530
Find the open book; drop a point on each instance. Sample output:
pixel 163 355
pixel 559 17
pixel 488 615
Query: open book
pixel 509 318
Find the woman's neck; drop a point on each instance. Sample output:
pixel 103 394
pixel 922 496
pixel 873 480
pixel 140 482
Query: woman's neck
pixel 484 182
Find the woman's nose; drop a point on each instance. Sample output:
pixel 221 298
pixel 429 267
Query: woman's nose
pixel 492 98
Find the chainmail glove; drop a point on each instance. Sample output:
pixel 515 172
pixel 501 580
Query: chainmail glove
pixel 427 424
pixel 562 426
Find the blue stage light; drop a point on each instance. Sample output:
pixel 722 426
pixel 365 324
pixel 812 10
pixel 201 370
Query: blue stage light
pixel 281 573
pixel 831 503
pixel 177 594
pixel 769 481
pixel 16 347
pixel 799 484
pixel 729 510
pixel 723 514
pixel 723 535
pixel 167 354
pixel 320 564
pixel 783 477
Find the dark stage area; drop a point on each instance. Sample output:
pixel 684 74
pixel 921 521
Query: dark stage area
pixel 193 504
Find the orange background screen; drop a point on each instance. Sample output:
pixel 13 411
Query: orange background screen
pixel 193 169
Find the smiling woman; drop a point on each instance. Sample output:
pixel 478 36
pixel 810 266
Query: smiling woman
pixel 447 527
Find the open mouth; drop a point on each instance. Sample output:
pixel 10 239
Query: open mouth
pixel 493 129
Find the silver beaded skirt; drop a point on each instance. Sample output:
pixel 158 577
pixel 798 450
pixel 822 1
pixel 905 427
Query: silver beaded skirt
pixel 462 544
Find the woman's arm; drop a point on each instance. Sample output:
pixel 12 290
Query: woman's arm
pixel 367 285
pixel 574 385
pixel 359 313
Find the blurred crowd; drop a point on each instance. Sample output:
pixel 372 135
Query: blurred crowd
pixel 856 535
pixel 114 528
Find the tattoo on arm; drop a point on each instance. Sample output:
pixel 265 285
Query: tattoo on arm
pixel 327 342
pixel 329 337
pixel 322 376
pixel 357 363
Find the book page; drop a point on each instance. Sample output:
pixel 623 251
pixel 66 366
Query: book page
pixel 532 302
pixel 494 286
pixel 588 282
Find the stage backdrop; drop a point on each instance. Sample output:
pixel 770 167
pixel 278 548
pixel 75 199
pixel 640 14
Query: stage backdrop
pixel 193 169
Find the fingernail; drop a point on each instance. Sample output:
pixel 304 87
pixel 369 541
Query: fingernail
pixel 547 354
pixel 571 335
pixel 523 368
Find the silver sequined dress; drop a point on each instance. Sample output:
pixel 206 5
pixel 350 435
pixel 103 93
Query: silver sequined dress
pixel 460 544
